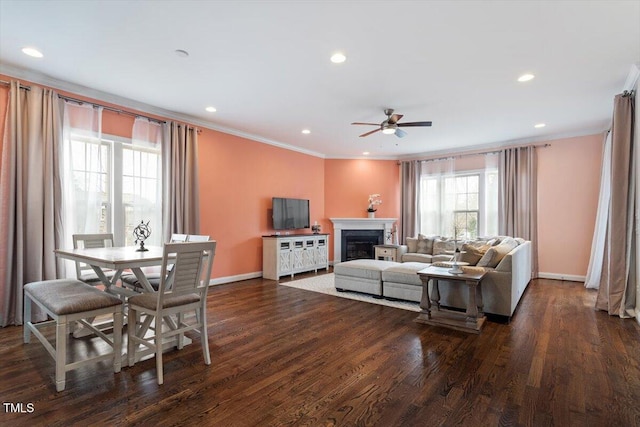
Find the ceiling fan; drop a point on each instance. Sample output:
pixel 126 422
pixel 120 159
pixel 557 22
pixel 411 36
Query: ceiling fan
pixel 391 125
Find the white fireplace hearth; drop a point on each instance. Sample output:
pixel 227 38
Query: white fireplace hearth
pixel 339 224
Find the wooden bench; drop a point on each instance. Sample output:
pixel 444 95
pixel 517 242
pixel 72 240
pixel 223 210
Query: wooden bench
pixel 70 300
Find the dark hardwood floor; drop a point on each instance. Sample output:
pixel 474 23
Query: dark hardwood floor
pixel 283 356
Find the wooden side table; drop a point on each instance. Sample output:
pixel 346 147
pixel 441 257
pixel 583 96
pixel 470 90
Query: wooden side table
pixel 388 252
pixel 470 321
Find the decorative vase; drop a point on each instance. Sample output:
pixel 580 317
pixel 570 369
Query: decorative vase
pixel 371 214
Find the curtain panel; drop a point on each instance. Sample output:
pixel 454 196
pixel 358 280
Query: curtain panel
pixel 518 200
pixel 30 195
pixel 409 200
pixel 180 180
pixel 599 242
pixel 617 282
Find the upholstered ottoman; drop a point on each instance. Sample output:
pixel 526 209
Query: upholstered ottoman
pixel 361 275
pixel 402 281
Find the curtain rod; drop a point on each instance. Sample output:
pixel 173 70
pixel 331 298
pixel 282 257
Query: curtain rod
pixel 80 101
pixel 457 156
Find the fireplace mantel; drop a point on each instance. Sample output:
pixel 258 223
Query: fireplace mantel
pixel 340 224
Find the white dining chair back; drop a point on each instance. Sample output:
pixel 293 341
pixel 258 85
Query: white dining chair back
pixel 152 273
pixel 84 272
pixel 183 290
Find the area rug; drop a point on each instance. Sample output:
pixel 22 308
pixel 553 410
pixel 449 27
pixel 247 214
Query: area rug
pixel 324 284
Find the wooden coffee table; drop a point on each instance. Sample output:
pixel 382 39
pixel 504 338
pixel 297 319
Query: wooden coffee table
pixel 470 321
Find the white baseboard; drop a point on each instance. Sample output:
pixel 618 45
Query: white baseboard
pixel 236 278
pixel 560 276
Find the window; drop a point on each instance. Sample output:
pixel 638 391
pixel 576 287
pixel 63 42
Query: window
pixel 463 205
pixel 116 185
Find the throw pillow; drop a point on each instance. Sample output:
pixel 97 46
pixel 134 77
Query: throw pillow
pixel 441 247
pixel 425 244
pixel 412 244
pixel 472 254
pixel 494 254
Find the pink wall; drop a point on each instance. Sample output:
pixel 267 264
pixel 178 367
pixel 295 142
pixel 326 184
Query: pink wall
pixel 238 178
pixel 348 184
pixel 568 187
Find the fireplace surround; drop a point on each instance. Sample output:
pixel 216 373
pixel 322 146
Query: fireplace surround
pixel 350 224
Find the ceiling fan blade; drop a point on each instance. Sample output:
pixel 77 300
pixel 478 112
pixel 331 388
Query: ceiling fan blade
pixel 414 124
pixel 400 133
pixel 394 118
pixel 369 133
pixel 370 124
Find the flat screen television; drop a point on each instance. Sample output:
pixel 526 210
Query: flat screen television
pixel 290 214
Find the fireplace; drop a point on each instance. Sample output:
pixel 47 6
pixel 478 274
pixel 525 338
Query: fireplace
pixel 358 244
pixel 379 225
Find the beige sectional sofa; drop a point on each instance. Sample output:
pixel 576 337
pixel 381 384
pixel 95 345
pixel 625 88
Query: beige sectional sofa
pixel 506 260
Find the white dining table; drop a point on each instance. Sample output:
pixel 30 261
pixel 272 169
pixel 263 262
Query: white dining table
pixel 118 259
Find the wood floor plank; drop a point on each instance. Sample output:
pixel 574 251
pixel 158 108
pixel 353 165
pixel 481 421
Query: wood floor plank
pixel 284 356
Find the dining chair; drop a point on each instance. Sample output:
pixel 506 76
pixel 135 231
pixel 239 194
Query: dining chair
pixel 183 290
pixel 153 275
pixel 84 272
pixel 197 238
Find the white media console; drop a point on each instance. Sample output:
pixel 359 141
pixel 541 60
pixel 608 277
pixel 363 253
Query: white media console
pixel 284 255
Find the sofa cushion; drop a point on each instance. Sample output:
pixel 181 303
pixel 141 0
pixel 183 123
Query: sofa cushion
pixel 363 268
pixel 472 254
pixel 412 244
pixel 441 246
pixel 404 273
pixel 416 257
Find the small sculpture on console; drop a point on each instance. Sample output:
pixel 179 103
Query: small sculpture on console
pixel 315 228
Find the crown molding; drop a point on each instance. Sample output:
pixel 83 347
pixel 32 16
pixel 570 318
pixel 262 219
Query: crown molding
pixel 52 82
pixel 483 148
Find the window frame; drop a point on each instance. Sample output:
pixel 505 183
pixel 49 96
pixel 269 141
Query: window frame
pixel 482 198
pixel 114 208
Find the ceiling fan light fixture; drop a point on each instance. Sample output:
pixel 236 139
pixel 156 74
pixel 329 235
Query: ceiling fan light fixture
pixel 389 131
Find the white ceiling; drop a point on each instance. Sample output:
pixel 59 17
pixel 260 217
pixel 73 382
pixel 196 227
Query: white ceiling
pixel 265 66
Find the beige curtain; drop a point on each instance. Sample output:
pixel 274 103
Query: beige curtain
pixel 616 293
pixel 180 180
pixel 518 200
pixel 409 200
pixel 30 195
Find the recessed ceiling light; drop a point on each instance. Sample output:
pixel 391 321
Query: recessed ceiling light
pixel 211 109
pixel 366 153
pixel 338 58
pixel 181 53
pixel 32 52
pixel 306 131
pixel 539 125
pixel 526 77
